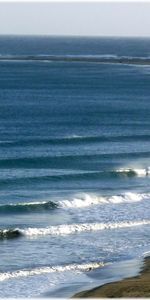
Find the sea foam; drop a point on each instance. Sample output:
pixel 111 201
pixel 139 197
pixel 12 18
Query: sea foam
pixel 92 199
pixel 78 201
pixel 67 229
pixel 51 269
pixel 84 227
pixel 135 171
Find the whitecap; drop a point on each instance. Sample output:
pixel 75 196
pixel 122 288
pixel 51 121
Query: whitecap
pixel 50 269
pixel 67 229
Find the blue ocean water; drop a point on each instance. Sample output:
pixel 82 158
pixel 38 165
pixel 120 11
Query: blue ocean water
pixel 74 160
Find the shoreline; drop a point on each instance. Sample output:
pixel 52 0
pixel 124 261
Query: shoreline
pixel 129 286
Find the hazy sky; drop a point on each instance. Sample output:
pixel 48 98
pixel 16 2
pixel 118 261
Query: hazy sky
pixel 75 18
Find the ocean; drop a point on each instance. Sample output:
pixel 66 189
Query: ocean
pixel 74 160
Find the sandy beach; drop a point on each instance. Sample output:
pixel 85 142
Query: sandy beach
pixel 75 165
pixel 137 286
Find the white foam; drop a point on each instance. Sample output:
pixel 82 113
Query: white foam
pixel 139 172
pixel 128 197
pixel 49 269
pixel 24 203
pixel 142 172
pixel 88 200
pixel 75 228
pixel 146 254
pixel 73 136
pixel 85 200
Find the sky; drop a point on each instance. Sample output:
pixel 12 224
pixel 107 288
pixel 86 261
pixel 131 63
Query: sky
pixel 75 18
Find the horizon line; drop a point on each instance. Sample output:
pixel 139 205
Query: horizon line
pixel 71 35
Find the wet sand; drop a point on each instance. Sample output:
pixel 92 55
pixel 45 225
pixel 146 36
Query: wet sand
pixel 133 287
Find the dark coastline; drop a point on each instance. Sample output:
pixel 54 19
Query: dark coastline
pixel 135 287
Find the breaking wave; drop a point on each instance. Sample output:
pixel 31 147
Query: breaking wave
pixel 30 207
pixel 62 230
pixel 9 233
pixel 79 201
pixel 137 172
pixel 88 200
pixel 51 269
pixel 61 175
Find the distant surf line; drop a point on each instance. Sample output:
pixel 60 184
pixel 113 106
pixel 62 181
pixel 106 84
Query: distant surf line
pixel 106 59
pixel 61 175
pixel 74 139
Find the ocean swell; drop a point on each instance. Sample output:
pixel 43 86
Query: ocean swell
pixel 30 207
pixel 79 58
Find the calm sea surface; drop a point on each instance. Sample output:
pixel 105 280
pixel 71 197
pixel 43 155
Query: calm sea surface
pixel 74 161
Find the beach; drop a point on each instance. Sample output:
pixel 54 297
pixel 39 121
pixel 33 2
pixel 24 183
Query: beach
pixel 74 162
pixel 133 287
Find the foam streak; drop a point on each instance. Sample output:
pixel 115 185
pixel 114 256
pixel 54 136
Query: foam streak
pixel 49 269
pixel 84 227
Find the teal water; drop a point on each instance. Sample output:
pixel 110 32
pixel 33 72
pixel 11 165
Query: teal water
pixel 74 160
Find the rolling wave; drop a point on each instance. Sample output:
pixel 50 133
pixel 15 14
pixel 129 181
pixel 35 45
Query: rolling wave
pixel 131 171
pixel 79 201
pixel 62 230
pixel 74 139
pixel 79 58
pixel 27 207
pixel 51 269
pixel 62 175
pixel 65 160
pixel 88 200
pixel 9 233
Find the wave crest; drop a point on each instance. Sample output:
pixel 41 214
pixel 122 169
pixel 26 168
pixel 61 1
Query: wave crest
pixel 9 233
pixel 135 172
pixel 62 230
pixel 30 207
pixel 79 201
pixel 75 228
pixel 38 271
pixel 88 200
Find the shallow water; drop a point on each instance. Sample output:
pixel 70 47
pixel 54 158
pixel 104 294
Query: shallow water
pixel 74 162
